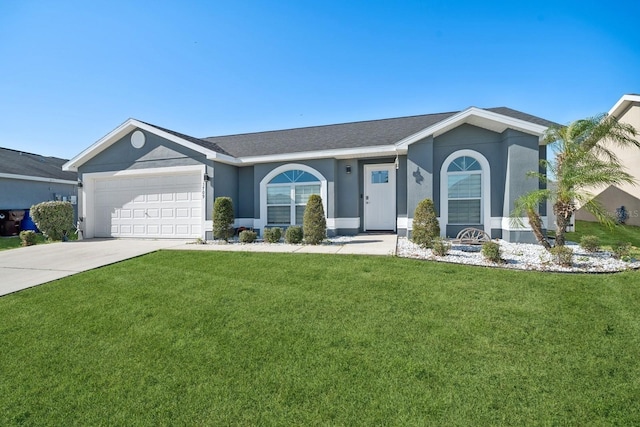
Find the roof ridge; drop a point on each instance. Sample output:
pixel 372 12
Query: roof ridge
pixel 328 125
pixel 31 154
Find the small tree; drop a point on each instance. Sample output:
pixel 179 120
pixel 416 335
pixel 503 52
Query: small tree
pixel 425 224
pixel 314 222
pixel 223 218
pixel 54 219
pixel 583 159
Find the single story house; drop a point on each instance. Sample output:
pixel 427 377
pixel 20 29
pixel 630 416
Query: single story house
pixel 614 198
pixel 142 180
pixel 27 179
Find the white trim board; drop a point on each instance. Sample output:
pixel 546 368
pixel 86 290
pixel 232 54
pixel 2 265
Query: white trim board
pixel 37 178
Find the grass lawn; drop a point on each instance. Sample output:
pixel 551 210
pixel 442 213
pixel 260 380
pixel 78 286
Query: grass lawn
pixel 607 236
pixel 212 338
pixel 14 242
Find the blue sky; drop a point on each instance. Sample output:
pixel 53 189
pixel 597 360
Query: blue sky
pixel 72 71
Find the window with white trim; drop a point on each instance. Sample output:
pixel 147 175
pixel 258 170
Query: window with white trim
pixel 287 196
pixel 464 191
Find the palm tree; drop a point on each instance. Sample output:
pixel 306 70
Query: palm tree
pixel 582 160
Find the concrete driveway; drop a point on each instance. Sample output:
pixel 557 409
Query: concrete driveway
pixel 31 266
pixel 34 265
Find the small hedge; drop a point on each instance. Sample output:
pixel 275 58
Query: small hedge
pixel 293 235
pixel 273 235
pixel 223 218
pixel 491 252
pixel 28 237
pixel 562 255
pixel 314 222
pixel 425 224
pixel 248 236
pixel 53 219
pixel 440 247
pixel 590 243
pixel 621 250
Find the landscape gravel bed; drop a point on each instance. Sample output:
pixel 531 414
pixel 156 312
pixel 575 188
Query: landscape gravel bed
pixel 522 256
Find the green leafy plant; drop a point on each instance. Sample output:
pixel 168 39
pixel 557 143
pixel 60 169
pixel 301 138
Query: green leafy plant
pixel 621 249
pixel 272 235
pixel 491 252
pixel 28 237
pixel 293 235
pixel 223 218
pixel 590 243
pixel 562 255
pixel 248 236
pixel 440 247
pixel 583 159
pixel 53 219
pixel 314 223
pixel 425 224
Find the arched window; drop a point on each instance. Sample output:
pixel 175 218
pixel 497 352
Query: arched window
pixel 287 194
pixel 464 191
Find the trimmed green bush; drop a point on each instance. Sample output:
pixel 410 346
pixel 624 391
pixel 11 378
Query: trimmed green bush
pixel 272 235
pixel 28 237
pixel 590 243
pixel 293 235
pixel 223 218
pixel 440 247
pixel 53 219
pixel 425 224
pixel 248 236
pixel 562 255
pixel 314 223
pixel 491 252
pixel 621 249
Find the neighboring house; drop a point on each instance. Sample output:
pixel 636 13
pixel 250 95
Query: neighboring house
pixel 626 110
pixel 142 180
pixel 27 179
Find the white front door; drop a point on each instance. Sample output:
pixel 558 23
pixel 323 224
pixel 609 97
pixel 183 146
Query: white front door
pixel 380 197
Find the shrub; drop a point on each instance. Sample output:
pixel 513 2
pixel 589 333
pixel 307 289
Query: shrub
pixel 562 255
pixel 293 234
pixel 425 224
pixel 491 252
pixel 314 223
pixel 248 236
pixel 28 237
pixel 54 219
pixel 440 247
pixel 590 243
pixel 621 249
pixel 272 235
pixel 223 218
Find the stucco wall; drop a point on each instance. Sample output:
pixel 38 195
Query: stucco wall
pixel 156 152
pixel 22 194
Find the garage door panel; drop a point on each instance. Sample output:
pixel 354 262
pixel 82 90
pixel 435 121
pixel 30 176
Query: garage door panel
pixel 152 206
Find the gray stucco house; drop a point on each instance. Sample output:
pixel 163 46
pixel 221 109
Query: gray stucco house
pixel 27 179
pixel 142 180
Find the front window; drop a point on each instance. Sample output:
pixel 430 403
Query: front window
pixel 287 196
pixel 464 188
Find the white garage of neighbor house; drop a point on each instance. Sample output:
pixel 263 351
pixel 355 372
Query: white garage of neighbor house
pixel 145 181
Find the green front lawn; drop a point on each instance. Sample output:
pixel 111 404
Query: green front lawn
pixel 14 242
pixel 608 236
pixel 210 338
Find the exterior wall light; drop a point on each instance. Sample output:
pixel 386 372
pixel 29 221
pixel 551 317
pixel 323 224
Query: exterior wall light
pixel 348 169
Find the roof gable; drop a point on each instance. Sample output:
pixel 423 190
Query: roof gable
pixel 365 138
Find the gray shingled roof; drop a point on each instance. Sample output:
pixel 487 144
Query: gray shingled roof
pixel 20 163
pixel 346 135
pixel 338 136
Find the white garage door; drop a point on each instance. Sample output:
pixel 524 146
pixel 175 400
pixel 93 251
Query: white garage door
pixel 149 206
